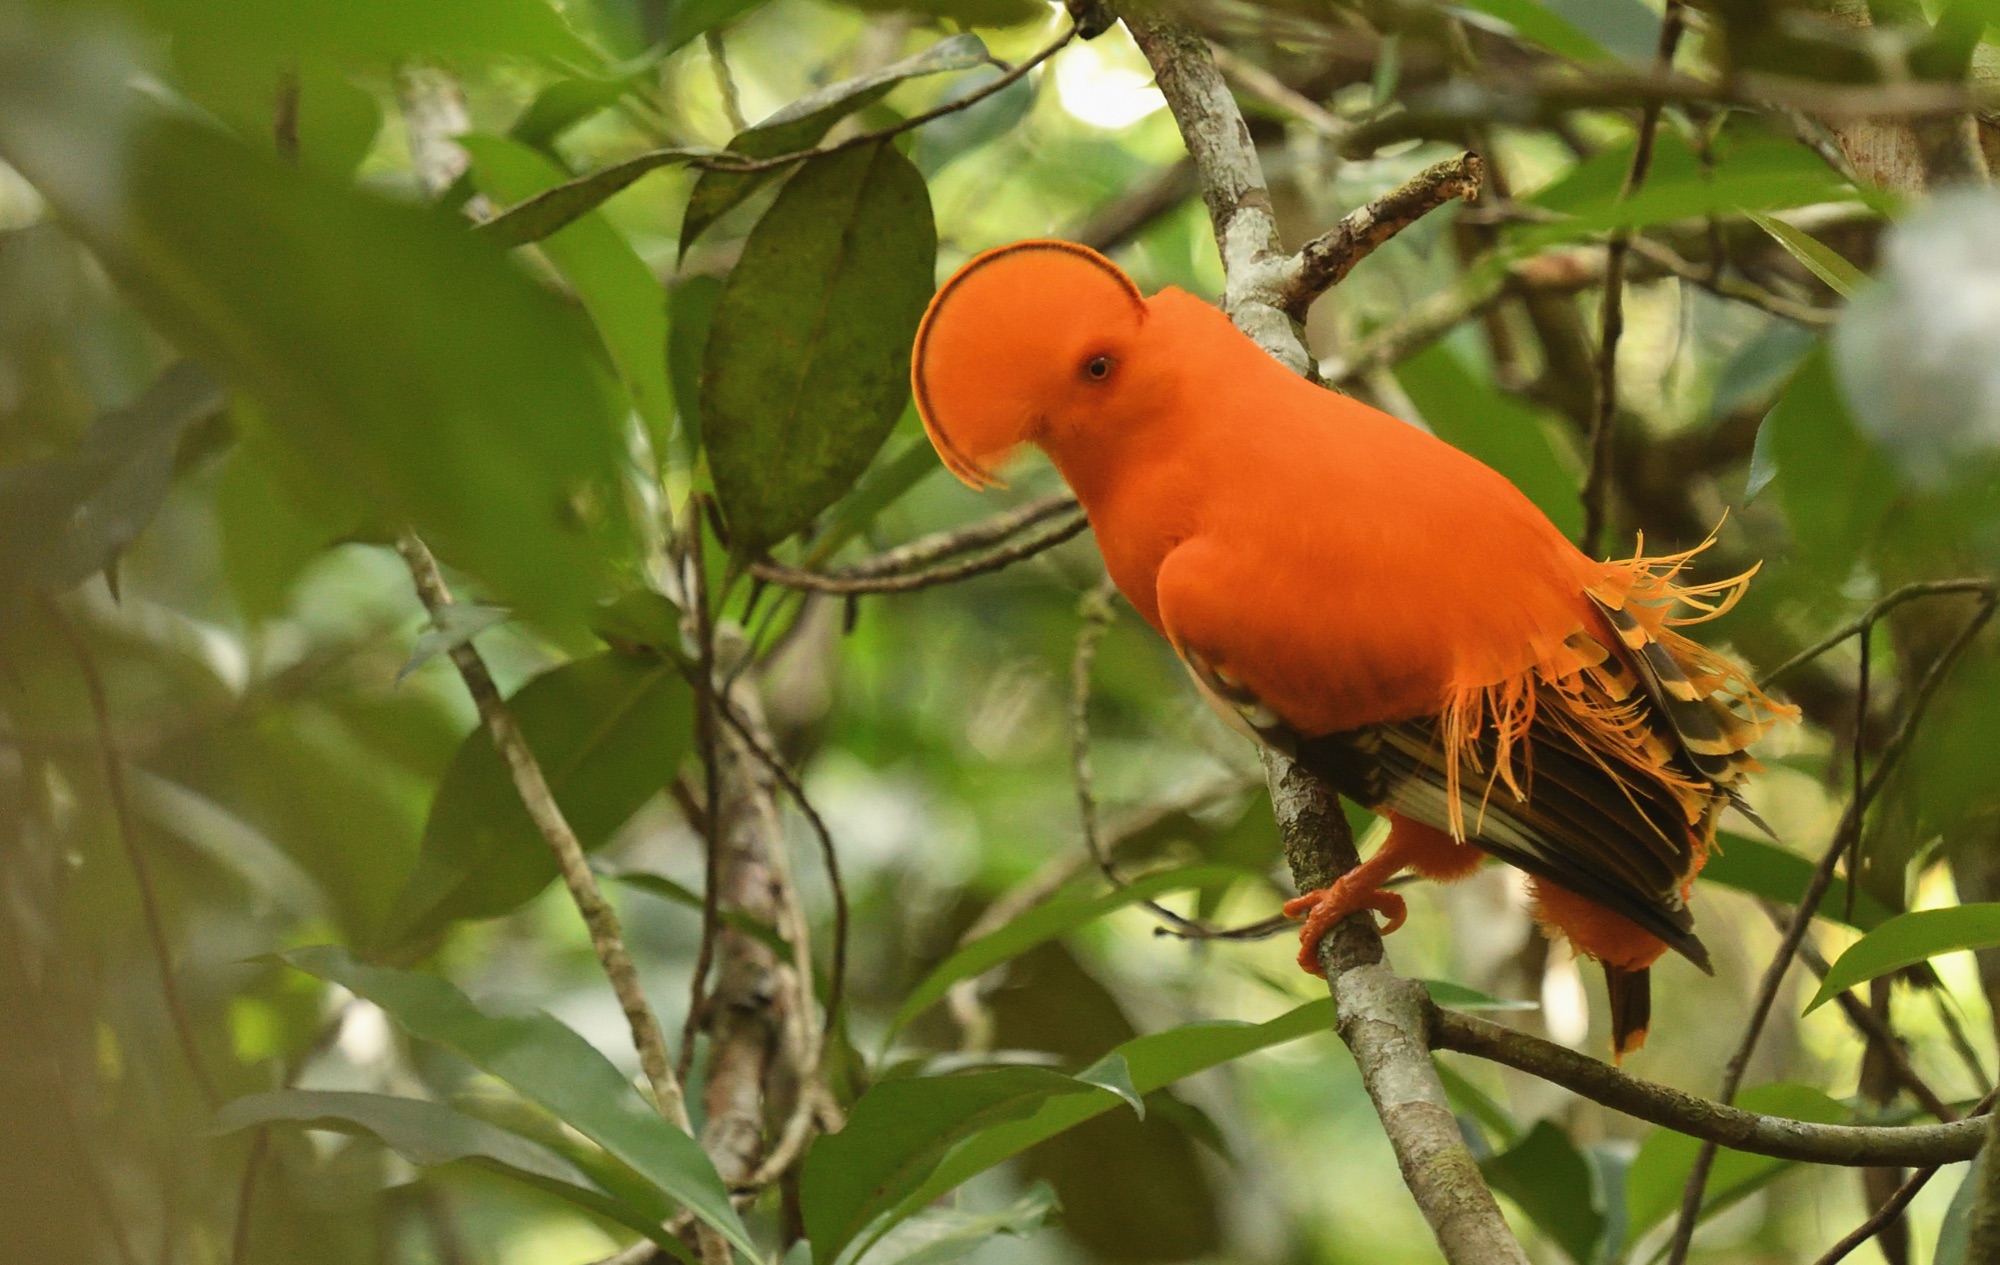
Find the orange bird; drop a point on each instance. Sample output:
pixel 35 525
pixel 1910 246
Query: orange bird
pixel 1379 606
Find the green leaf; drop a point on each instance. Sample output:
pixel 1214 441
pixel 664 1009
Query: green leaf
pixel 550 210
pixel 945 1235
pixel 807 366
pixel 609 732
pixel 1549 1178
pixel 1041 924
pixel 1906 940
pixel 65 519
pixel 1470 1100
pixel 666 889
pixel 1753 172
pixel 1153 1062
pixel 551 1065
pixel 398 358
pixel 1659 1172
pixel 624 299
pixel 885 483
pixel 1767 870
pixel 1954 1233
pixel 1536 23
pixel 429 1134
pixel 802 124
pixel 1472 415
pixel 692 308
pixel 355 31
pixel 1113 1073
pixel 452 627
pixel 689 19
pixel 567 102
pixel 1820 259
pixel 896 1136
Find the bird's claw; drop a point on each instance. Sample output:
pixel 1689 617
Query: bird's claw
pixel 1323 908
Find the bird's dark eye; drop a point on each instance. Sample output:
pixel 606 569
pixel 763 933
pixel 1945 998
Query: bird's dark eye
pixel 1097 368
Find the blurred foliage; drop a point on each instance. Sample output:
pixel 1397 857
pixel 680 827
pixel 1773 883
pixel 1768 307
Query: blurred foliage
pixel 248 334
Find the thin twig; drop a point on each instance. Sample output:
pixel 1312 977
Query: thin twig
pixel 725 83
pixel 1096 611
pixel 1851 823
pixel 524 222
pixel 607 938
pixel 949 573
pixel 709 734
pixel 1611 320
pixel 1876 611
pixel 1893 1206
pixel 984 534
pixel 1325 261
pixel 1846 1145
pixel 135 853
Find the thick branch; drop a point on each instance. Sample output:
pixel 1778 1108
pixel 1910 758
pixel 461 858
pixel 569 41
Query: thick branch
pixel 1325 261
pixel 1852 1145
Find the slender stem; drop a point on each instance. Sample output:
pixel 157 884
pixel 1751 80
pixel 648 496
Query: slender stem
pixel 908 582
pixel 1851 823
pixel 607 937
pixel 1847 1145
pixel 135 853
pixel 1325 261
pixel 725 83
pixel 1893 1206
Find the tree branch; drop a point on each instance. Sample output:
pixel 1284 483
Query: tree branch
pixel 606 936
pixel 1325 261
pixel 859 581
pixel 1849 1145
pixel 1383 1018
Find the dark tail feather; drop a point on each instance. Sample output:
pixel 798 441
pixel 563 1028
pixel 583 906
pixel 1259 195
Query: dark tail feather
pixel 1631 995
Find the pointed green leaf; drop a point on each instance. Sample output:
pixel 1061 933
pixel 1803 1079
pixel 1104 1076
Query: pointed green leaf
pixel 398 358
pixel 1459 997
pixel 429 1134
pixel 808 363
pixel 1658 1174
pixel 551 1065
pixel 1764 869
pixel 1819 258
pixel 1906 940
pixel 802 124
pixel 1549 1178
pixel 609 732
pixel 1473 416
pixel 944 1235
pixel 928 1162
pixel 1043 923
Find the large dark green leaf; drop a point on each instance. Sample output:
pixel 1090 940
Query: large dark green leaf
pixel 373 30
pixel 1550 1179
pixel 805 121
pixel 1040 925
pixel 1654 1182
pixel 429 1134
pixel 402 360
pixel 1764 869
pixel 625 301
pixel 692 310
pixel 919 1164
pixel 1908 939
pixel 66 519
pixel 609 731
pixel 551 1065
pixel 1509 436
pixel 807 365
pixel 1752 172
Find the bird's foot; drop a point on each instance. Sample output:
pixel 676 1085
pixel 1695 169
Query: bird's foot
pixel 1324 908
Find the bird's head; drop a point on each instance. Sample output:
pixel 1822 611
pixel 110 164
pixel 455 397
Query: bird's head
pixel 1025 343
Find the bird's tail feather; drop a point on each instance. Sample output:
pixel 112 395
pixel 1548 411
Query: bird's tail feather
pixel 1631 994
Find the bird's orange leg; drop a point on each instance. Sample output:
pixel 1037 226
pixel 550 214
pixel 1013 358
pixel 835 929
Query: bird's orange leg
pixel 1431 851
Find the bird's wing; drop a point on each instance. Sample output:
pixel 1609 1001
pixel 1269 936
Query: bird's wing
pixel 1555 800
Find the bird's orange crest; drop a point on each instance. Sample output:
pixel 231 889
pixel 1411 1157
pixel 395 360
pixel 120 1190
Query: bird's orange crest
pixel 996 336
